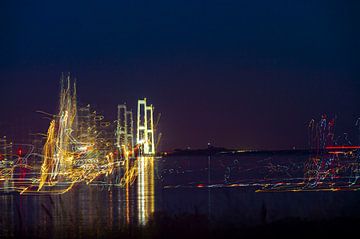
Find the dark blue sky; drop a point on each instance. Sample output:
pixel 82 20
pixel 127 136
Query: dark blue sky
pixel 246 74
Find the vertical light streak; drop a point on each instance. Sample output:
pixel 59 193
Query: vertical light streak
pixel 48 153
pixel 146 189
pixel 141 191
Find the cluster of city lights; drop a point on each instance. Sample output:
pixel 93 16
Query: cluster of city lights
pixel 80 148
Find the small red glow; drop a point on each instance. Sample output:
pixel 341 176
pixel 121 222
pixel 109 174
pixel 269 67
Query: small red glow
pixel 19 152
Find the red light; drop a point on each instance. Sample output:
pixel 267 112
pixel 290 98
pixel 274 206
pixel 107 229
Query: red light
pixel 343 147
pixel 19 152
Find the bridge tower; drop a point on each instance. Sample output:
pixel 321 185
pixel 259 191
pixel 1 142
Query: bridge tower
pixel 124 129
pixel 145 127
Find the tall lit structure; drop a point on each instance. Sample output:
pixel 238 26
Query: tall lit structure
pixel 4 147
pixel 145 127
pixel 130 129
pixel 6 150
pixel 59 142
pixel 124 129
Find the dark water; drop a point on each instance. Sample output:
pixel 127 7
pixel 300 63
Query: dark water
pixel 221 187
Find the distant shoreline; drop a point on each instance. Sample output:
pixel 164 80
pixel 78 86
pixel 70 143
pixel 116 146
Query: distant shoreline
pixel 224 151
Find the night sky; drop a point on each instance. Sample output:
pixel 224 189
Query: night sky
pixel 242 74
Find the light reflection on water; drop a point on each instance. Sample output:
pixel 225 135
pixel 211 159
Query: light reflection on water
pixel 145 189
pixel 97 209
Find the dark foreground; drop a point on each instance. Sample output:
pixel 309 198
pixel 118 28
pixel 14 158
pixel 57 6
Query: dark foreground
pixel 200 197
pixel 197 226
